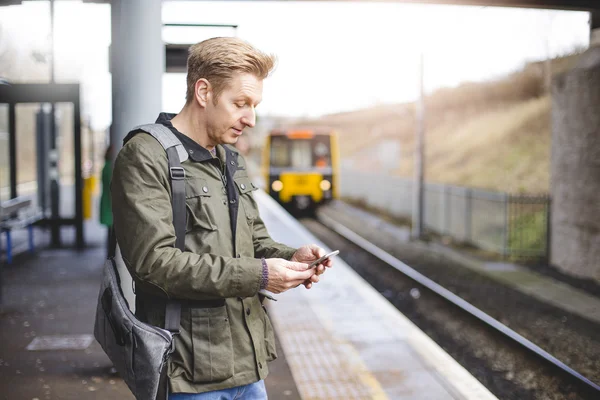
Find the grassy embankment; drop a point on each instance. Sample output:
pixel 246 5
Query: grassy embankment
pixel 493 135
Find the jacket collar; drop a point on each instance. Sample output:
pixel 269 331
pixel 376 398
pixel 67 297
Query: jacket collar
pixel 196 152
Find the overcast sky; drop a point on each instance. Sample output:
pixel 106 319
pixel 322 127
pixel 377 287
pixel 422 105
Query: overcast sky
pixel 333 57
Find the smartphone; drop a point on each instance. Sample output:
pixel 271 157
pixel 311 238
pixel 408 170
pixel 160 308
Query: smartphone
pixel 325 257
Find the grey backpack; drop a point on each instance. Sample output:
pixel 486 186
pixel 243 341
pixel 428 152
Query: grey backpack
pixel 139 351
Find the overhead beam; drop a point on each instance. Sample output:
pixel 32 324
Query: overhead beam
pixel 39 92
pixel 581 5
pixel 176 57
pixel 595 19
pixel 176 54
pixel 595 28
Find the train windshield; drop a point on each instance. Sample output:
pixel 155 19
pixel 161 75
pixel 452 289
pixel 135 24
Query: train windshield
pixel 300 153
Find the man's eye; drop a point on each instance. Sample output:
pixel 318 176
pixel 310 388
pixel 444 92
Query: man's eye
pixel 240 105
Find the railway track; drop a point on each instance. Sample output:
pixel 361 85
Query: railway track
pixel 509 364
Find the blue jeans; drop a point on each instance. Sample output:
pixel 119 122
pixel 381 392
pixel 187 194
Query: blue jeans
pixel 253 391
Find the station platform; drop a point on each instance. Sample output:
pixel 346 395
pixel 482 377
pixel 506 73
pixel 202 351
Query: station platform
pixel 339 340
pixel 343 340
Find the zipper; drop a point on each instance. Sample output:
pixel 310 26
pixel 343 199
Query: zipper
pixel 222 172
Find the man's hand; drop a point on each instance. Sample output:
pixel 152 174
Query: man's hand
pixel 284 275
pixel 308 254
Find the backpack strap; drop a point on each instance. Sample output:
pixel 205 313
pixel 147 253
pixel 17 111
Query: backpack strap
pixel 176 154
pixel 164 136
pixel 177 179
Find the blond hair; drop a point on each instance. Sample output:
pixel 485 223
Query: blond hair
pixel 218 59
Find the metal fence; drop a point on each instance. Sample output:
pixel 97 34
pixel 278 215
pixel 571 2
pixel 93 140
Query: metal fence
pixel 509 225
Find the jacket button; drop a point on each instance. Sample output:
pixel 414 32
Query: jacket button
pixel 259 364
pixel 243 186
pixel 204 189
pixel 232 201
pixel 248 311
pixel 231 162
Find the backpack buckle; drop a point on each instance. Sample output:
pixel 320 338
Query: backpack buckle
pixel 177 173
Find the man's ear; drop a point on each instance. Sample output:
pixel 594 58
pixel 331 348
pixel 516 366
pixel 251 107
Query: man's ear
pixel 202 91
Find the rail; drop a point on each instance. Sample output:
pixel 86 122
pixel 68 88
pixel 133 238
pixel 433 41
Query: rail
pixel 454 299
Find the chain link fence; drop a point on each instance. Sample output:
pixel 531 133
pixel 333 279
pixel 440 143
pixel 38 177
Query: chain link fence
pixel 510 225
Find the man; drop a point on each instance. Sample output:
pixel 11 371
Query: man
pixel 226 338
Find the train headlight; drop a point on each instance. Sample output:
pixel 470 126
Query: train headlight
pixel 277 186
pixel 325 185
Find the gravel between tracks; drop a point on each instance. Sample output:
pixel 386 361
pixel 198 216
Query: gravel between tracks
pixel 506 369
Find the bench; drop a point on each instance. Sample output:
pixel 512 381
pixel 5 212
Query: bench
pixel 18 213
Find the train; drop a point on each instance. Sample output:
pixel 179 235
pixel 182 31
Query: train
pixel 301 167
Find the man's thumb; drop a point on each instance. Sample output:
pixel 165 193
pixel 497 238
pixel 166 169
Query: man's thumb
pixel 301 275
pixel 297 266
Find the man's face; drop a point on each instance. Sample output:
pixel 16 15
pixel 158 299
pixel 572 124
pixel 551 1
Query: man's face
pixel 235 109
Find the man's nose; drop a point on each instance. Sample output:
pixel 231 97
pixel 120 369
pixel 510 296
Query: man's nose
pixel 250 118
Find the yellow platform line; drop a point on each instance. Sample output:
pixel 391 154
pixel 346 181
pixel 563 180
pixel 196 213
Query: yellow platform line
pixel 323 364
pixel 362 371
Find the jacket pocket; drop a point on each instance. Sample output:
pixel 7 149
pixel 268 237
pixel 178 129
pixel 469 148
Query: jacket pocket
pixel 197 201
pixel 212 345
pixel 245 188
pixel 270 348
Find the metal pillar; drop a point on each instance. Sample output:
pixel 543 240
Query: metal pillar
pixel 417 218
pixel 43 164
pixel 54 184
pixel 137 65
pixel 53 153
pixel 12 148
pixel 79 240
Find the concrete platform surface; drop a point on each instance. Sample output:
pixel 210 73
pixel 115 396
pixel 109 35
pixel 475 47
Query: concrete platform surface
pixel 47 350
pixel 343 340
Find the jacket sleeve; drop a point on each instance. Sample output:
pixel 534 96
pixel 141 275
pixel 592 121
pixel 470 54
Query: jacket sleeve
pixel 143 221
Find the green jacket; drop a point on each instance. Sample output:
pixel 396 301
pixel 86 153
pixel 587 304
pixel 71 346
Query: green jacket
pixel 219 346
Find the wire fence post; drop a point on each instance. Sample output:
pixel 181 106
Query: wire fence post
pixel 445 211
pixel 548 229
pixel 507 228
pixel 468 216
